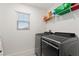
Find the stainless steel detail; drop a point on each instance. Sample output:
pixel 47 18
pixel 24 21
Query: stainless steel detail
pixel 52 40
pixel 50 44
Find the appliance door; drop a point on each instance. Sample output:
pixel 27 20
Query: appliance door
pixel 49 49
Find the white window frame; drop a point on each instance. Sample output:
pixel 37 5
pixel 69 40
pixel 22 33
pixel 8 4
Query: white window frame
pixel 19 21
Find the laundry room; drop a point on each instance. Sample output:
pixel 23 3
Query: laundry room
pixel 39 29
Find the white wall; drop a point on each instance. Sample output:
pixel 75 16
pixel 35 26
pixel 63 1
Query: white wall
pixel 19 42
pixel 65 23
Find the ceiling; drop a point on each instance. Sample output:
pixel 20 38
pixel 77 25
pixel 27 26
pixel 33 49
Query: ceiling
pixel 43 5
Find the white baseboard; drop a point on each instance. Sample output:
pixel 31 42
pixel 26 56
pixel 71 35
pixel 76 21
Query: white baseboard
pixel 29 52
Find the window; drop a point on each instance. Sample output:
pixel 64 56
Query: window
pixel 23 21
